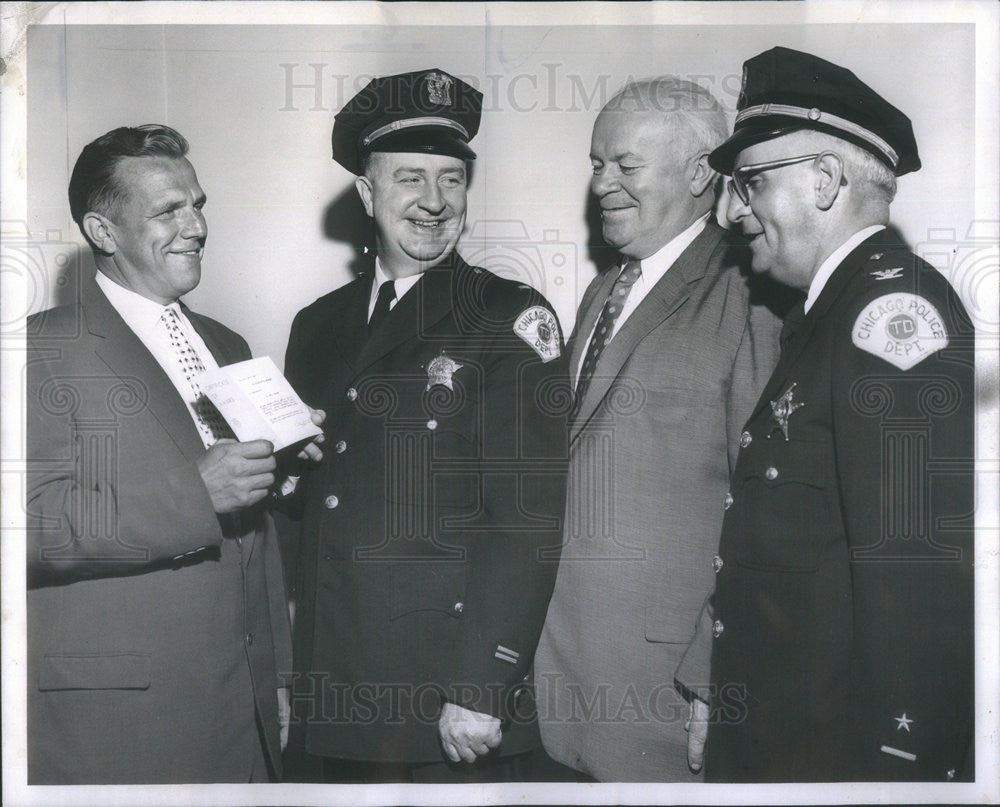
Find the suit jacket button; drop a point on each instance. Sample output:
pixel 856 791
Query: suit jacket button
pixel 352 394
pixel 717 564
pixel 771 473
pixel 330 502
pixel 728 501
pixel 341 446
pixel 249 639
pixel 459 607
pixel 717 628
pixel 745 439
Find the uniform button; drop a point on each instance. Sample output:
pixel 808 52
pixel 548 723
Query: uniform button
pixel 432 424
pixel 728 501
pixel 330 502
pixel 717 628
pixel 745 439
pixel 352 394
pixel 459 607
pixel 249 639
pixel 341 446
pixel 771 473
pixel 950 775
pixel 717 564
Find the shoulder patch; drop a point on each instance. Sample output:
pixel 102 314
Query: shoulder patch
pixel 904 329
pixel 538 327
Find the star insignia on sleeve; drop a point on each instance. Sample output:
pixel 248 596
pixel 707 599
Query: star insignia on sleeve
pixel 903 723
pixel 440 370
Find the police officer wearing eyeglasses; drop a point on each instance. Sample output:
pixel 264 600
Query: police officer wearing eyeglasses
pixel 841 637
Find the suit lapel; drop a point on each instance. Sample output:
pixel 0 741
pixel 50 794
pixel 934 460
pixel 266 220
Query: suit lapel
pixel 127 357
pixel 662 301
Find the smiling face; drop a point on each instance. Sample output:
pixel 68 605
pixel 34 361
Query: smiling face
pixel 642 180
pixel 157 234
pixel 418 203
pixel 782 218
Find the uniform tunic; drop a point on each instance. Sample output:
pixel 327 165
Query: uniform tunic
pixel 843 614
pixel 419 577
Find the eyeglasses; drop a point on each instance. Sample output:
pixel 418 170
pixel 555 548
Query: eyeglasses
pixel 738 184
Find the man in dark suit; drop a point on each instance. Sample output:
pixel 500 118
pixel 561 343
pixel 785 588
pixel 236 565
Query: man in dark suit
pixel 668 356
pixel 843 616
pixel 420 590
pixel 157 623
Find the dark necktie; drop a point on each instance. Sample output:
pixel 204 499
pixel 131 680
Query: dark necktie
pixel 793 320
pixel 386 294
pixel 605 328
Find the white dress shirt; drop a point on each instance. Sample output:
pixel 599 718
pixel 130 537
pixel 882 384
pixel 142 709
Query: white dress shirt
pixel 403 285
pixel 828 266
pixel 144 317
pixel 653 269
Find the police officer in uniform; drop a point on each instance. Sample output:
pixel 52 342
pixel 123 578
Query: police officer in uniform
pixel 841 638
pixel 420 589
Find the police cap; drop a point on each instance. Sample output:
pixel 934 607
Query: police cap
pixel 428 111
pixel 785 90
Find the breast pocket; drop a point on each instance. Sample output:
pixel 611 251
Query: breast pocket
pixel 115 671
pixel 784 513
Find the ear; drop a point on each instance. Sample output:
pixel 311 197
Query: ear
pixel 98 232
pixel 702 177
pixel 829 179
pixel 364 187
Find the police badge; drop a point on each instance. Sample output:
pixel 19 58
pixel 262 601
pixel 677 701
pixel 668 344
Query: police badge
pixel 438 88
pixel 782 409
pixel 440 369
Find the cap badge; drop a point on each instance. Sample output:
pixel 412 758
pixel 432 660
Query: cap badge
pixel 782 409
pixel 438 88
pixel 440 370
pixel 887 274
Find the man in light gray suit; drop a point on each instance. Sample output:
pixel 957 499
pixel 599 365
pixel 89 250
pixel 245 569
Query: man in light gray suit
pixel 669 354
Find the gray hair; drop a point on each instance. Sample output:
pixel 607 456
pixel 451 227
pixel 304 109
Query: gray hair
pixel 699 112
pixel 860 165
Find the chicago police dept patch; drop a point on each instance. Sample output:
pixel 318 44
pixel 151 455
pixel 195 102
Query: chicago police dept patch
pixel 538 327
pixel 903 328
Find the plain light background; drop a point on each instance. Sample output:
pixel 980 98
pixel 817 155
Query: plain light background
pixel 257 105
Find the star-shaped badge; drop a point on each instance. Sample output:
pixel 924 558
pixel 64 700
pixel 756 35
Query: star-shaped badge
pixel 782 409
pixel 440 370
pixel 904 722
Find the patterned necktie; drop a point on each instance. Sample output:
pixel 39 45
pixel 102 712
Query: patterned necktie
pixel 386 294
pixel 605 328
pixel 211 424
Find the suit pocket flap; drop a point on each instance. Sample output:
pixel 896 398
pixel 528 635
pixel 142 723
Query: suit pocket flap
pixel 667 625
pixel 428 586
pixel 119 671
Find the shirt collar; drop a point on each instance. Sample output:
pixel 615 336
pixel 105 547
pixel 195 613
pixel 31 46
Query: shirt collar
pixel 403 284
pixel 656 265
pixel 828 266
pixel 140 313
